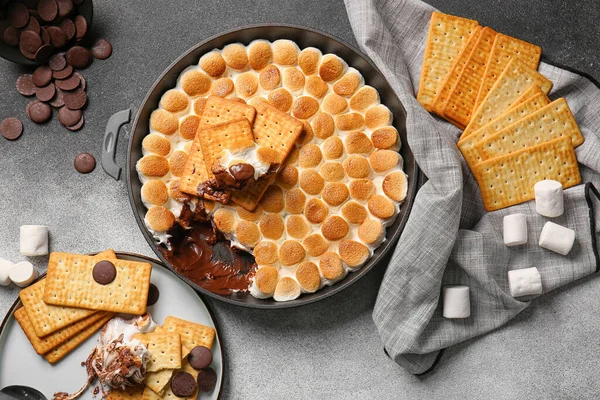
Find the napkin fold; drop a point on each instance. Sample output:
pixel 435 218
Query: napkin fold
pixel 449 238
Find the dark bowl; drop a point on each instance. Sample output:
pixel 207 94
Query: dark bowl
pixel 304 38
pixel 85 9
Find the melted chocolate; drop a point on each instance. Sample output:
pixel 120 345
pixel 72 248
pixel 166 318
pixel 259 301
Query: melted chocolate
pixel 242 172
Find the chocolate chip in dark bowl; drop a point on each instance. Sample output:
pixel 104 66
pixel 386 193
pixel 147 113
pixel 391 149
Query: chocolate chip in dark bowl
pixel 18 15
pixel 65 7
pixel 44 53
pixel 33 25
pixel 104 272
pixel 29 42
pixel 68 27
pixel 48 10
pixel 58 37
pixel 11 36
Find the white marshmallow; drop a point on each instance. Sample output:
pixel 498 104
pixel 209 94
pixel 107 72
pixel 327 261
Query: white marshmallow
pixel 515 229
pixel 456 301
pixel 524 282
pixel 549 199
pixel 557 238
pixel 34 240
pixel 5 266
pixel 22 274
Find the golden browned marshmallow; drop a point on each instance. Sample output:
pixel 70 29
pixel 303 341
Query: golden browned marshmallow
pixel 293 79
pixel 315 244
pixel 250 215
pixel 332 171
pixel 235 56
pixel 381 207
pixel 334 104
pixel 331 67
pixel 382 160
pixel 294 201
pixel 307 275
pixel 177 162
pixel 246 84
pixel 287 289
pixel 164 122
pixel 266 279
pixel 153 165
pixel 155 192
pixel 265 252
pixel 297 226
pixel 331 266
pixel 195 83
pixel 357 166
pixel 316 211
pixel 361 189
pixel 259 54
pixel 353 253
pixel 199 105
pixel 269 78
pixel 378 116
pixel 310 156
pixel 189 126
pixel 333 148
pixel 334 228
pixel 364 97
pixel 370 231
pixel 323 125
pixel 177 194
pixel 271 226
pixel 349 121
pixel 292 158
pixel 247 233
pixel 394 186
pixel 222 87
pixel 306 135
pixel 287 177
pixel 174 101
pixel 354 212
pixel 272 200
pixel 213 64
pixel 238 99
pixel 256 100
pixel 308 60
pixel 209 205
pixel 334 193
pixel 316 87
pixel 224 220
pixel 157 144
pixel 311 182
pixel 358 143
pixel 291 252
pixel 281 99
pixel 385 138
pixel 348 84
pixel 160 219
pixel 305 107
pixel 285 52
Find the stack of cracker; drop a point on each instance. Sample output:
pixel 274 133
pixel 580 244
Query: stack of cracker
pixel 61 311
pixel 487 84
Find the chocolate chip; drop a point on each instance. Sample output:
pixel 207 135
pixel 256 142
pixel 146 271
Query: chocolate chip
pixel 102 49
pixel 78 57
pixel 207 380
pixel 152 295
pixel 78 125
pixel 63 73
pixel 29 42
pixel 82 79
pixel 42 76
pixel 25 85
pixel 11 36
pixel 33 25
pixel 68 84
pixel 58 38
pixel 69 117
pixel 68 27
pixel 75 99
pixel 44 53
pixel 200 357
pixel 58 100
pixel 11 128
pixel 48 9
pixel 183 384
pixel 45 36
pixel 57 62
pixel 46 93
pixel 104 271
pixel 81 27
pixel 18 15
pixel 64 7
pixel 39 112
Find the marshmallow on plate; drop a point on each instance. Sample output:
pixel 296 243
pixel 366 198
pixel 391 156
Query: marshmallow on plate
pixel 515 229
pixel 557 238
pixel 5 266
pixel 34 240
pixel 549 200
pixel 456 301
pixel 22 274
pixel 524 282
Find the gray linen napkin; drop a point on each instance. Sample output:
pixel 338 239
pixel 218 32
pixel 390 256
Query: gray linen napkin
pixel 449 238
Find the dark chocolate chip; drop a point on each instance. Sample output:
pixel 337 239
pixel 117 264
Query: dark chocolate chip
pixel 102 49
pixel 153 295
pixel 44 53
pixel 104 271
pixel 70 83
pixel 29 42
pixel 200 357
pixel 18 15
pixel 58 38
pixel 11 128
pixel 39 112
pixel 63 73
pixel 69 117
pixel 33 25
pixel 82 79
pixel 78 125
pixel 64 7
pixel 183 384
pixel 58 100
pixel 31 4
pixel 45 36
pixel 57 62
pixel 48 10
pixel 46 93
pixel 11 36
pixel 79 57
pixel 25 85
pixel 42 76
pixel 81 27
pixel 68 27
pixel 207 380
pixel 75 99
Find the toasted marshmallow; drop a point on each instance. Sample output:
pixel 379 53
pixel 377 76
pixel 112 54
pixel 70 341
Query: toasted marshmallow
pixel 316 211
pixel 154 192
pixel 246 84
pixel 157 144
pixel 33 240
pixel 354 212
pixel 294 201
pixel 386 138
pixel 307 275
pixel 378 116
pixel 270 77
pixel 292 157
pixel 383 160
pixel 297 226
pixel 224 220
pixel 5 266
pixel 371 232
pixel 285 52
pixel 265 282
pixel 174 101
pixel 22 274
pixel 353 253
pixel 308 60
pixel 364 97
pixel 163 122
pixel 247 233
pixel 195 83
pixel 311 182
pixel 309 156
pixel 323 125
pixel 331 266
pixel 315 244
pixel 287 289
pixel 334 228
pixel 287 177
pixel 306 135
pixel 293 79
pixel 332 171
pixel 213 64
pixel 357 166
pixel 222 87
pixel 358 143
pixel 189 126
pixel 177 162
pixel 395 186
pixel 305 107
pixel 333 148
pixel 199 105
pixel 381 207
pixel 316 87
pixel 335 193
pixel 348 84
pixel 349 121
pixel 250 215
pixel 291 252
pixel 331 67
pixel 281 99
pixel 361 189
pixel 235 56
pixel 153 166
pixel 254 102
pixel 272 200
pixel 334 104
pixel 259 54
pixel 271 226
pixel 159 219
pixel 266 252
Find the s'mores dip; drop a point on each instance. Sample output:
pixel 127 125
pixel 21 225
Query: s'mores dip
pixel 270 169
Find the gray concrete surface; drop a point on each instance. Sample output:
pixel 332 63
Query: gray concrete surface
pixel 329 349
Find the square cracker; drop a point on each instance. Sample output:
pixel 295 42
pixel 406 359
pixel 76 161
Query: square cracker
pixel 467 145
pixel 505 47
pixel 461 102
pixel 149 394
pixel 157 381
pixel 69 282
pixel 49 342
pixel 195 171
pixel 508 180
pixel 46 318
pixel 251 194
pixel 219 110
pixel 548 123
pixel 192 334
pixel 165 350
pixel 65 348
pixel 447 37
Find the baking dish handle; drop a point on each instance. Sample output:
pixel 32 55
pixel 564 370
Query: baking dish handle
pixel 109 144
